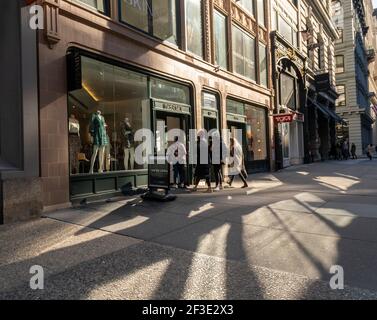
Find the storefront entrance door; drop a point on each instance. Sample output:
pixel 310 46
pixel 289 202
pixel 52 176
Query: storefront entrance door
pixel 169 122
pixel 285 139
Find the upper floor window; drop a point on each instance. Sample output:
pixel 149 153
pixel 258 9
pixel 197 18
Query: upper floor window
pixel 102 6
pixel 338 14
pixel 248 5
pixel 341 101
pixel 158 18
pixel 339 64
pixel 263 72
pixel 243 53
pixel 220 39
pixel 194 27
pixel 287 31
pixel 261 13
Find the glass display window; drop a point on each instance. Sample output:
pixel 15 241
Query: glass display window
pixel 104 115
pixel 256 133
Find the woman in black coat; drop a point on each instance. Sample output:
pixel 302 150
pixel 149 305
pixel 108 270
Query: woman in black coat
pixel 203 168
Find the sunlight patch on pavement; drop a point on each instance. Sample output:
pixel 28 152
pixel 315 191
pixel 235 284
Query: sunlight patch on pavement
pixel 140 284
pixel 310 200
pixel 202 209
pixel 340 183
pixel 122 225
pixel 347 176
pixel 303 173
pixel 203 277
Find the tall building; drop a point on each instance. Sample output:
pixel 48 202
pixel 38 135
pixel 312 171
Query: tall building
pixel 371 43
pixel 303 36
pixel 107 68
pixel 352 66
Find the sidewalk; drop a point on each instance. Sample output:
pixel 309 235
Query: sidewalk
pixel 275 240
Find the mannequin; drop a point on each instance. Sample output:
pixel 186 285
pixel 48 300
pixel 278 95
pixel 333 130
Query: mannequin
pixel 99 135
pixel 74 143
pixel 128 144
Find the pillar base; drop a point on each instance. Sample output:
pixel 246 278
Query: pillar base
pixel 21 199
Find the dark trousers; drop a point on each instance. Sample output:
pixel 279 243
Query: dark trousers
pixel 179 171
pixel 242 175
pixel 218 174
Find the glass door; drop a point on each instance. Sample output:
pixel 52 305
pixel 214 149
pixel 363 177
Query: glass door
pixel 285 139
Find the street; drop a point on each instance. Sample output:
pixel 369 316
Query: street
pixel 277 239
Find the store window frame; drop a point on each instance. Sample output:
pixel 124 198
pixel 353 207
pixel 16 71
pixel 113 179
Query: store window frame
pixel 150 32
pixel 255 165
pixel 107 7
pixel 149 74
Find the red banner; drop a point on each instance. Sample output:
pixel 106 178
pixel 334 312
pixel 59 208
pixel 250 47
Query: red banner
pixel 283 118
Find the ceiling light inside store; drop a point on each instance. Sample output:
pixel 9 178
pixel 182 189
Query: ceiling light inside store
pixel 90 92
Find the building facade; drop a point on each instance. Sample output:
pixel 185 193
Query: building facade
pixel 353 58
pixel 371 42
pixel 107 68
pixel 20 182
pixel 303 37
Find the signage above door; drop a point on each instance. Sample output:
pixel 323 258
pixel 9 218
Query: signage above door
pixel 167 106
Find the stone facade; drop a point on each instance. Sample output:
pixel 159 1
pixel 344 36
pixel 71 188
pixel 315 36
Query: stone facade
pixel 77 25
pixel 352 21
pixel 311 38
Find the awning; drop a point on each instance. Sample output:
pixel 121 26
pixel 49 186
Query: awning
pixel 336 117
pixel 319 107
pixel 326 111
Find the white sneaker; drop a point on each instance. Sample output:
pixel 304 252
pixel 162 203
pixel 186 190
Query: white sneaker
pixel 217 189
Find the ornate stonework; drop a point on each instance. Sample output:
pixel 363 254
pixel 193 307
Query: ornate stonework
pixel 51 12
pixel 207 28
pixel 243 19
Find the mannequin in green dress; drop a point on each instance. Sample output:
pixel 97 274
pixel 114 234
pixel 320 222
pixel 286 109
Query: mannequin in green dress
pixel 100 140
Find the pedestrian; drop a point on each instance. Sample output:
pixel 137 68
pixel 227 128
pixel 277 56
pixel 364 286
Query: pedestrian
pixel 338 151
pixel 345 149
pixel 177 155
pixel 203 166
pixel 238 165
pixel 353 151
pixel 370 150
pixel 216 151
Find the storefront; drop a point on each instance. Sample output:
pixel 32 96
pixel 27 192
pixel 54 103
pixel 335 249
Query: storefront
pixel 248 123
pixel 108 104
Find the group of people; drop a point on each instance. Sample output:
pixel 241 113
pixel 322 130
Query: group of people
pixel 343 151
pixel 210 161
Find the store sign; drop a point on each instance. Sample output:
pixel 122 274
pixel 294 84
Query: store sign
pixel 299 117
pixel 210 114
pixel 236 118
pixel 283 118
pixel 171 107
pixel 158 173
